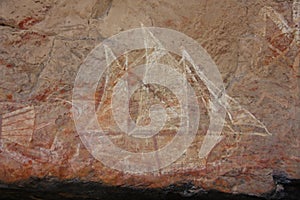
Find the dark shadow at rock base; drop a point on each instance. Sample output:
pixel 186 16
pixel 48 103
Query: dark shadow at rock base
pixel 48 189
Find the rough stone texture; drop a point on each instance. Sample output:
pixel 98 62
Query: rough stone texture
pixel 255 44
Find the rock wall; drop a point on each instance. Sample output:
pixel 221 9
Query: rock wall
pixel 254 44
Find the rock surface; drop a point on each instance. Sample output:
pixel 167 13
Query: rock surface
pixel 254 44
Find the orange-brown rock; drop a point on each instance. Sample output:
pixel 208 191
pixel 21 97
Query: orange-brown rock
pixel 255 45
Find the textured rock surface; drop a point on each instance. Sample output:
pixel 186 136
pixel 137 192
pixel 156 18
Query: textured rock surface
pixel 255 45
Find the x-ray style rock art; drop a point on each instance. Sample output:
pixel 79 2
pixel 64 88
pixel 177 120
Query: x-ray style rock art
pixel 16 135
pixel 262 52
pixel 158 65
pixel 18 126
pixel 290 33
pixel 281 23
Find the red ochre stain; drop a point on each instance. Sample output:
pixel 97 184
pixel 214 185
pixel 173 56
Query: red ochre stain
pixel 9 66
pixel 9 97
pixel 27 22
pixel 254 88
pixel 30 35
pixel 169 22
pixel 43 96
pixel 37 38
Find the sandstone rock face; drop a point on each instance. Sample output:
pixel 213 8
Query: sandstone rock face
pixel 254 44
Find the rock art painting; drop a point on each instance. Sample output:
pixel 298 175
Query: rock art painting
pixel 151 94
pixel 18 126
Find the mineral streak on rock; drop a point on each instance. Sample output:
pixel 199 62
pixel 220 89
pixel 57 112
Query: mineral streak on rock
pixel 255 45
